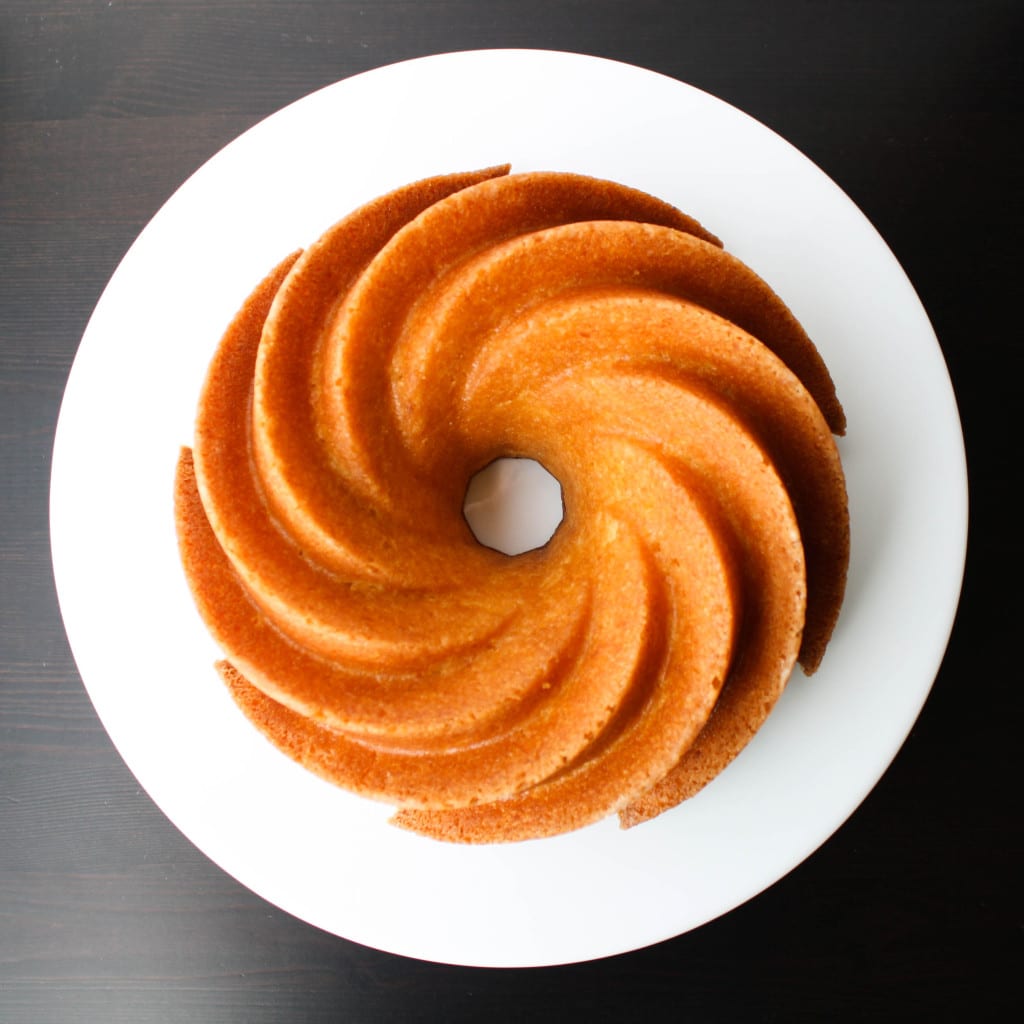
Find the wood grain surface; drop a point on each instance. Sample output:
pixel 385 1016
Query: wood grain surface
pixel 911 912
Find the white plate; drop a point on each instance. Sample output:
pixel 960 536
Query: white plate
pixel 328 857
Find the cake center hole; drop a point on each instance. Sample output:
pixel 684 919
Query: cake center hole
pixel 513 505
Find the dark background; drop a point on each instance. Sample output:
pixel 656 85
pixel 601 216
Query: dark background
pixel 911 912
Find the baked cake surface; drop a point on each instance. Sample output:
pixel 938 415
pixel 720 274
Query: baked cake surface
pixel 579 322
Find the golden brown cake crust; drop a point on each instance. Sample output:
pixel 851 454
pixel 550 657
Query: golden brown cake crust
pixel 680 404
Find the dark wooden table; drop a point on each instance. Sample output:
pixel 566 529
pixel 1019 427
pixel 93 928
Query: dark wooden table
pixel 912 911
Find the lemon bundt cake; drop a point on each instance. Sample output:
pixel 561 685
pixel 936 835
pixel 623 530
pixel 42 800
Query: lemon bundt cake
pixel 705 538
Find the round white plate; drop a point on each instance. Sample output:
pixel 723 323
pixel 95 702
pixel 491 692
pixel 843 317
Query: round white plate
pixel 328 857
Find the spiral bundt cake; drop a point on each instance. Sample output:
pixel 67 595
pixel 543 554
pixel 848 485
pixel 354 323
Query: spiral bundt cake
pixel 575 321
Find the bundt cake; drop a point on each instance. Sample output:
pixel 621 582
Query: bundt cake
pixel 464 318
